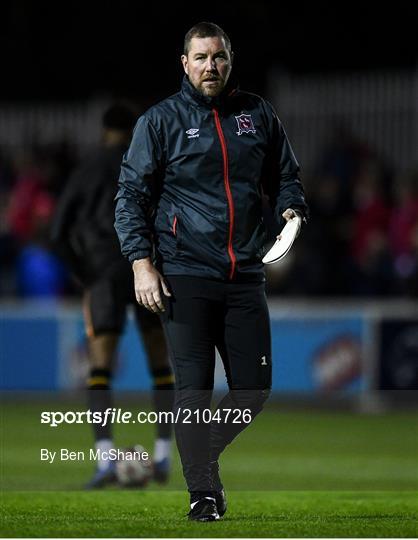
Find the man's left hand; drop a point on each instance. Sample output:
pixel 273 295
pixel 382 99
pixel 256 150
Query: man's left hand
pixel 288 214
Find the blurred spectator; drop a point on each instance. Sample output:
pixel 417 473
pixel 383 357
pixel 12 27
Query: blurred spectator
pixel 371 264
pixel 342 158
pixel 8 244
pixel 410 278
pixel 325 239
pixel 403 233
pixel 26 218
pixel 39 273
pixel 31 199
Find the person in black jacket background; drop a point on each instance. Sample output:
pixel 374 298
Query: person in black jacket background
pixel 84 237
pixel 189 219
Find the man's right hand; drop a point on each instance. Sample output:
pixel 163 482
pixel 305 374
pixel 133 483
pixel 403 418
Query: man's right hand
pixel 148 285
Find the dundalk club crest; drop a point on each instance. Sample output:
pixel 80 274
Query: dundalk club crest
pixel 245 124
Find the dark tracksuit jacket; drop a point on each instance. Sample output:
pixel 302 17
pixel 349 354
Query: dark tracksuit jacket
pixel 192 182
pixel 191 193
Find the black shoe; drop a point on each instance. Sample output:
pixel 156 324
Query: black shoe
pixel 204 510
pixel 221 504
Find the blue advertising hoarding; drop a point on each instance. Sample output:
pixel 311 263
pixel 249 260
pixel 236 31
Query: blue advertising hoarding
pixel 46 350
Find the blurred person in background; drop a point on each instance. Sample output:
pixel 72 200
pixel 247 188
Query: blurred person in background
pixel 84 237
pixel 403 233
pixel 342 158
pixel 323 241
pixel 8 242
pixel 371 262
pixel 31 197
pixel 328 237
pixel 31 204
pixel 190 193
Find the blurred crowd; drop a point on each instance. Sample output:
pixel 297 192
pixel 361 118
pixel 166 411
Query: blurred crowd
pixel 361 240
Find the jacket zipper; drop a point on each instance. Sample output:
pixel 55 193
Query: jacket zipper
pixel 228 192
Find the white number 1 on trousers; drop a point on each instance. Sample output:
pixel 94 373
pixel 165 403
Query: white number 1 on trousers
pixel 263 361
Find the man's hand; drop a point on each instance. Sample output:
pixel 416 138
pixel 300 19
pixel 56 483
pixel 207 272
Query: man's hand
pixel 288 215
pixel 148 285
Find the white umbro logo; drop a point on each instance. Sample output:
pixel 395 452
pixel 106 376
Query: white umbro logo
pixel 264 361
pixel 192 133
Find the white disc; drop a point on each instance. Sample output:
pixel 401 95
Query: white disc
pixel 282 247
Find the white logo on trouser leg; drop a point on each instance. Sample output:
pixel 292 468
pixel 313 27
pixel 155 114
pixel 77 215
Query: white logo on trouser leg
pixel 264 361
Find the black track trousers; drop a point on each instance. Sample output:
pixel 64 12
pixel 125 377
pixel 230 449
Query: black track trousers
pixel 233 317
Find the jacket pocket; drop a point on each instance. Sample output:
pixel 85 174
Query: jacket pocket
pixel 201 237
pixel 166 229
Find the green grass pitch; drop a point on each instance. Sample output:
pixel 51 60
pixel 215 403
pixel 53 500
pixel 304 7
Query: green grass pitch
pixel 299 473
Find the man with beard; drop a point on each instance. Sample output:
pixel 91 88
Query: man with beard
pixel 189 219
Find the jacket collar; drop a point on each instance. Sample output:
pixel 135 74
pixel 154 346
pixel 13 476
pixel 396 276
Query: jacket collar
pixel 190 93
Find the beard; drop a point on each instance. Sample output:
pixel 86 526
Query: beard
pixel 213 89
pixel 210 86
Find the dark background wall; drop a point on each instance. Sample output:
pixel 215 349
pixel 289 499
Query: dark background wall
pixel 131 49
